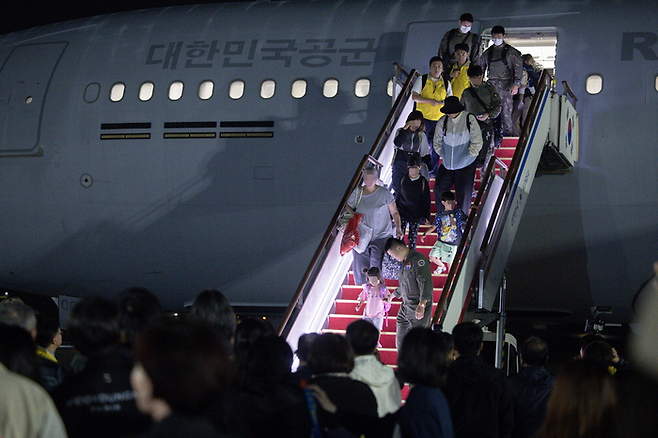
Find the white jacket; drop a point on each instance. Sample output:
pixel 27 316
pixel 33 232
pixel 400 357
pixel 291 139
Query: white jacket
pixel 381 380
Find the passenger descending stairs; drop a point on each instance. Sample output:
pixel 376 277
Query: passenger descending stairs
pixel 343 312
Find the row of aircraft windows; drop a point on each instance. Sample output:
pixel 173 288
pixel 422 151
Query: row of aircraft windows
pixel 236 89
pixel 593 85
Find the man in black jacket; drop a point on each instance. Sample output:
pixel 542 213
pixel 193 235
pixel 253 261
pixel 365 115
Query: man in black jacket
pixel 531 388
pixel 479 397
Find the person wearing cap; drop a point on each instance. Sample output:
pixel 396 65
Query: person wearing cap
pixel 461 34
pixel 457 140
pixel 482 100
pixel 505 72
pixel 457 70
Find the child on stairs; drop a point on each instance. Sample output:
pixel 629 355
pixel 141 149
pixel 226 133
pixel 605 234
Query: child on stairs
pixel 376 296
pixel 450 225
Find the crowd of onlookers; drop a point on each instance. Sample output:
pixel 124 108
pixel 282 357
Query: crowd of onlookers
pixel 139 374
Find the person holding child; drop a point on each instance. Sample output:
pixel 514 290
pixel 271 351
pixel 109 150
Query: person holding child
pixel 449 224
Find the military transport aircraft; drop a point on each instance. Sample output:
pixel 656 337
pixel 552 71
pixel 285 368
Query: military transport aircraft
pixel 208 146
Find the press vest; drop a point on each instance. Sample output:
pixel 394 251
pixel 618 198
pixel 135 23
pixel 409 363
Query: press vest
pixel 432 90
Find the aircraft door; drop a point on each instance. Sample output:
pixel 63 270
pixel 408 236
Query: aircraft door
pixel 24 80
pixel 422 42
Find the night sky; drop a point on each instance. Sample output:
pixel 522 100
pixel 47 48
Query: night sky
pixel 23 14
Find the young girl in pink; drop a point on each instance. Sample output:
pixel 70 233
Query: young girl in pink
pixel 376 296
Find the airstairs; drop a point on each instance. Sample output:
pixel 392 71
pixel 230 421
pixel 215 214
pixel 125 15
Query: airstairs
pixel 326 297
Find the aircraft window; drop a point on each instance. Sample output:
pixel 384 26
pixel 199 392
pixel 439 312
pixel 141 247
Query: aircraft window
pixel 330 88
pixel 117 92
pixel 146 91
pixel 656 83
pixel 236 90
pixel 176 90
pixel 389 88
pixel 92 91
pixel 362 87
pixel 205 90
pixel 267 89
pixel 298 89
pixel 594 84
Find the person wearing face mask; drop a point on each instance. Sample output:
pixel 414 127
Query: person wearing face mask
pixel 505 72
pixel 461 34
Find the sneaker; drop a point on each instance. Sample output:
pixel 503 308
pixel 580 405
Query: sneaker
pixel 439 270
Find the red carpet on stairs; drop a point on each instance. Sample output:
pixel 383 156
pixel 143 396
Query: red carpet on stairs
pixel 344 309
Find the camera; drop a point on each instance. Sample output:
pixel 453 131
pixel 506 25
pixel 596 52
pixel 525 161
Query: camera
pixel 594 326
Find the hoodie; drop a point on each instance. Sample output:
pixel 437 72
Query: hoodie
pixel 381 380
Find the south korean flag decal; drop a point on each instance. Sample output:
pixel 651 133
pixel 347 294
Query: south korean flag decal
pixel 421 263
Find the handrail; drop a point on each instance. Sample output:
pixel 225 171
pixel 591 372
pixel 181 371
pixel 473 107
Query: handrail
pixel 399 69
pixel 330 235
pixel 465 243
pixel 450 286
pixel 544 83
pixel 378 145
pixel 569 91
pixel 462 250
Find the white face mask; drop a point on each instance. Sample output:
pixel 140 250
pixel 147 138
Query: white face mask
pixel 465 29
pixel 497 41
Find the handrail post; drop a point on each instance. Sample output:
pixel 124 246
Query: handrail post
pixel 500 326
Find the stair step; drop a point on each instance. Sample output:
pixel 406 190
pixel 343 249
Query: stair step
pixel 344 308
pixel 351 292
pixel 389 356
pixel 438 281
pixel 340 322
pixel 347 307
pixel 387 338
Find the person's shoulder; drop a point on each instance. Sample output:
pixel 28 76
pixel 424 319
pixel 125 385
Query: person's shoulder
pixel 420 260
pixel 513 50
pixel 449 33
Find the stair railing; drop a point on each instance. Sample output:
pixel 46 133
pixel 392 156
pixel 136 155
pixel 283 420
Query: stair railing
pixel 477 210
pixel 377 153
pixel 485 251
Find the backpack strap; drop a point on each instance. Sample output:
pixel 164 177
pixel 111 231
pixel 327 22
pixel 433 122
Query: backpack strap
pixel 451 35
pixel 359 195
pixel 503 57
pixel 476 96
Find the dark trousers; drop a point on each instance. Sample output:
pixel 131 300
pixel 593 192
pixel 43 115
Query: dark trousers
pixel 369 258
pixel 462 179
pixel 430 126
pixel 413 232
